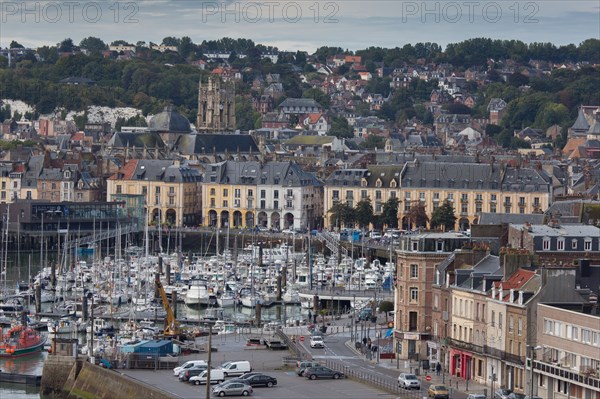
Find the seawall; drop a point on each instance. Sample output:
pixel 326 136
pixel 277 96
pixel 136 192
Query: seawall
pixel 63 377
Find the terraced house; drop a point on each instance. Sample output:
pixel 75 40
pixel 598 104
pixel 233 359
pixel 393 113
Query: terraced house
pixel 277 195
pixel 472 188
pixel 171 190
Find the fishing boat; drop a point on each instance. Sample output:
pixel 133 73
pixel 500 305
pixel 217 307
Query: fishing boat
pixel 20 341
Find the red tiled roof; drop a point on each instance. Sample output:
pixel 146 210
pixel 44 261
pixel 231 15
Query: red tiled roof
pixel 126 171
pixel 514 282
pixel 313 118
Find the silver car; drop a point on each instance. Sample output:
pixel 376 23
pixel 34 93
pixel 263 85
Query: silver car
pixel 232 388
pixel 408 381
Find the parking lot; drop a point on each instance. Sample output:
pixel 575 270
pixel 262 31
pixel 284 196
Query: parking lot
pixel 289 385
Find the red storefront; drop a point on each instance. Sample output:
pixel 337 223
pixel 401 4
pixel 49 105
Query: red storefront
pixel 461 363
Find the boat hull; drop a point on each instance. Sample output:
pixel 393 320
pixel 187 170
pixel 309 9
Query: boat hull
pixel 24 351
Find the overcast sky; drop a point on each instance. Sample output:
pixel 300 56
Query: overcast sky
pixel 300 24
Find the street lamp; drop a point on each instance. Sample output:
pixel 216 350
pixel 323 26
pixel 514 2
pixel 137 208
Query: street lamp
pixel 531 350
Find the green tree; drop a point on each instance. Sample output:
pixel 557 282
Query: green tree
pixel 386 307
pixel 552 114
pixel 364 212
pixel 444 216
pixel 186 47
pixel 15 44
pixel 318 96
pixel 170 41
pixel 93 44
pixel 518 79
pixel 245 115
pixel 492 130
pixel 417 216
pixel 373 141
pixel 342 214
pixel 66 46
pixel 389 213
pixel 340 127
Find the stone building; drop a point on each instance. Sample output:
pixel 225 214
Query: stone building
pixel 216 106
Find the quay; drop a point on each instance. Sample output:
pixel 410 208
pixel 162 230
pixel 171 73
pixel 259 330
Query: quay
pixel 15 378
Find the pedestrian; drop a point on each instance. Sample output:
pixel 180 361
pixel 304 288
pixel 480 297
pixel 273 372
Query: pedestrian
pixel 438 368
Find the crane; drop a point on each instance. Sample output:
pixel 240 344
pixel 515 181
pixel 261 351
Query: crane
pixel 172 328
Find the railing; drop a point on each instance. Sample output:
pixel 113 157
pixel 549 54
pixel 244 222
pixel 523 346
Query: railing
pixel 567 374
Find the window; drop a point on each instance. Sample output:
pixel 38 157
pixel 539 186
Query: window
pixel 119 189
pixel 212 191
pixel 378 194
pixel 436 196
pixel 414 294
pixel 439 246
pixel 520 326
pixel 574 333
pixel 414 271
pixel 212 202
pixel 415 245
pixel 546 244
pixel 225 203
pixel 511 324
pixel 407 196
pixel 587 245
pixel 363 194
pixel 289 204
pixel 492 208
pixel 493 197
pixel 500 321
pixel 560 244
pixel 276 204
pixel 392 194
pixel 574 243
pixel 586 336
pixel 250 193
pixel 276 194
pixel 478 197
pixel 493 322
pixel 422 196
pixel 237 193
pixel 263 194
pixel 450 197
pixel 464 208
pixel 436 300
pixel 225 192
pixel 349 195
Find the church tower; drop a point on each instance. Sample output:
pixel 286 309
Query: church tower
pixel 216 106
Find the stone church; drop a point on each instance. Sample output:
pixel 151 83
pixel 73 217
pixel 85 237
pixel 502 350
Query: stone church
pixel 169 134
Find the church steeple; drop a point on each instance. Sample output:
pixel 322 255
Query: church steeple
pixel 216 106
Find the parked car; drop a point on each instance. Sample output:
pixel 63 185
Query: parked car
pixel 232 388
pixel 185 375
pixel 216 376
pixel 257 380
pixel 408 381
pixel 515 395
pixel 476 396
pixel 236 368
pixel 313 373
pixel 502 393
pixel 316 341
pixel 302 366
pixel 438 392
pixel 375 235
pixel 187 365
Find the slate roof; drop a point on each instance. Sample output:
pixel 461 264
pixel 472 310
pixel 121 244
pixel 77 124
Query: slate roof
pixel 219 143
pixel 157 170
pixel 581 124
pixel 286 174
pixel 299 102
pixel 452 175
pixel 169 121
pixel 564 230
pixel 373 173
pixel 310 140
pixel 138 140
pixel 500 218
pixel 526 180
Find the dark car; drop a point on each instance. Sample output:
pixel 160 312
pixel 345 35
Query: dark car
pixel 185 375
pixel 322 372
pixel 502 393
pixel 257 380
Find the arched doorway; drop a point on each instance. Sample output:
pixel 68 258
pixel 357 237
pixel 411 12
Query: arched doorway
pixel 171 217
pixel 250 220
pixel 463 224
pixel 288 221
pixel 212 218
pixel 275 223
pixel 262 219
pixel 224 219
pixel 405 223
pixel 237 219
pixel 155 216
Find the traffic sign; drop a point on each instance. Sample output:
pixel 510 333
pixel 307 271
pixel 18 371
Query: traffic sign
pixel 302 338
pixel 428 378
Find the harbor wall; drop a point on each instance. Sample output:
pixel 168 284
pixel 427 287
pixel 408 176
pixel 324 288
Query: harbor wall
pixel 63 377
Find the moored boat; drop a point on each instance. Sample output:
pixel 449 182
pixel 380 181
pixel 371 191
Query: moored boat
pixel 20 341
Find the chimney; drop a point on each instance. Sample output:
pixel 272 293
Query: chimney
pixel 500 292
pixel 494 291
pixel 520 297
pixel 511 296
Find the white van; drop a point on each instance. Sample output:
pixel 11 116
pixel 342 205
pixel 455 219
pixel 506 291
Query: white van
pixel 187 365
pixel 216 376
pixel 236 368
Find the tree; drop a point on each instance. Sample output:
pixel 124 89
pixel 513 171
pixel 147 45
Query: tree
pixel 15 44
pixel 340 127
pixel 186 47
pixel 386 307
pixel 373 141
pixel 389 213
pixel 245 115
pixel 318 96
pixel 444 216
pixel 417 216
pixel 342 214
pixel 458 108
pixel 492 130
pixel 66 46
pixel 517 79
pixel 93 44
pixel 552 114
pixel 364 212
pixel 170 41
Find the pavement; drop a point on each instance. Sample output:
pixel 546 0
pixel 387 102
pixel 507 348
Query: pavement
pixel 340 351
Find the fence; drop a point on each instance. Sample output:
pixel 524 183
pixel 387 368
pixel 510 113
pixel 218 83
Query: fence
pixel 384 383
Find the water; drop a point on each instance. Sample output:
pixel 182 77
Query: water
pixel 23 365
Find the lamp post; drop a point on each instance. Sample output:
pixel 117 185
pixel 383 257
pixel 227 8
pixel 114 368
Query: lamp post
pixel 531 350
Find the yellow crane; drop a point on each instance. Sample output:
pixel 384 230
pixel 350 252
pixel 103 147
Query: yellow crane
pixel 172 327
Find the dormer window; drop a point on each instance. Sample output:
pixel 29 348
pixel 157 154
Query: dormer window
pixel 378 183
pixel 67 174
pixel 560 244
pixel 393 184
pixel 546 243
pixel 574 243
pixel 363 183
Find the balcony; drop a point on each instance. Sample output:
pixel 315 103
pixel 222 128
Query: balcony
pixel 171 194
pixel 465 346
pixel 502 355
pixel 288 208
pixel 289 196
pixel 464 200
pixel 580 378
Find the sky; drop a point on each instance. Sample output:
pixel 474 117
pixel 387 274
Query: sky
pixel 300 24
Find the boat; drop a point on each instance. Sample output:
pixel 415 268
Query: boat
pixel 20 341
